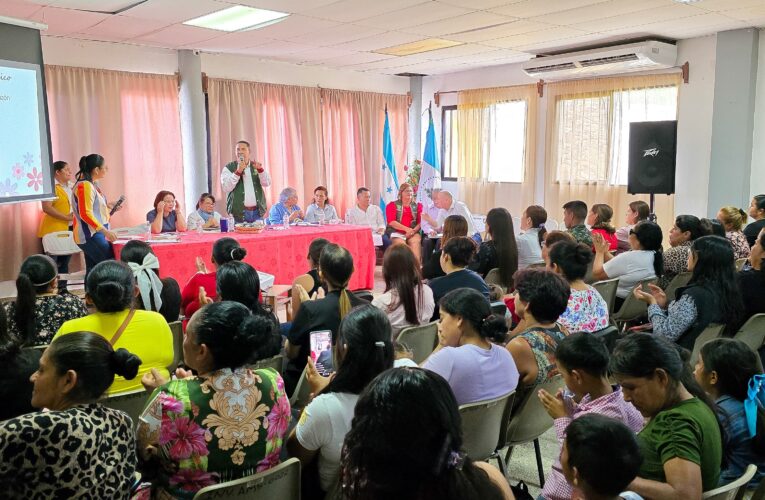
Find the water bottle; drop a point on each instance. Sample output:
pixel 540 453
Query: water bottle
pixel 147 234
pixel 231 224
pixel 286 221
pixel 320 216
pixel 347 216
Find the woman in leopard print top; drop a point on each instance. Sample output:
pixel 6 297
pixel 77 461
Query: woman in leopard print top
pixel 78 448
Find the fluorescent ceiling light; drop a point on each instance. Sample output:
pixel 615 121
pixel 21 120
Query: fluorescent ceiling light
pixel 417 47
pixel 238 18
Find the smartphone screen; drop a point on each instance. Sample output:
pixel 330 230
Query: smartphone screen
pixel 321 351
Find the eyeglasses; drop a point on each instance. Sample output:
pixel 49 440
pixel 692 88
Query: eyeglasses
pixel 632 231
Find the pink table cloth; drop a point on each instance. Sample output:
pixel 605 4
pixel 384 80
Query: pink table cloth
pixel 281 253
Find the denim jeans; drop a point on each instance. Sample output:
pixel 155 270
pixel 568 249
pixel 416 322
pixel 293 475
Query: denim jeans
pixel 96 249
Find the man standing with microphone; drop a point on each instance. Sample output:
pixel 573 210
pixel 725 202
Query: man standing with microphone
pixel 243 182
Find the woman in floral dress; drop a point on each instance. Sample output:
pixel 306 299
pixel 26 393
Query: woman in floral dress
pixel 226 423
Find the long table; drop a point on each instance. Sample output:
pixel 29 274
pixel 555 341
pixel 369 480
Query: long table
pixel 281 253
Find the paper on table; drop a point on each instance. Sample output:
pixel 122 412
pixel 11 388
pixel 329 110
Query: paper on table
pixel 398 235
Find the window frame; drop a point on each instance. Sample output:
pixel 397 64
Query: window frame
pixel 444 109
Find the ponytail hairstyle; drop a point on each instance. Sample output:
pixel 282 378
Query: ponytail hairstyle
pixel 336 267
pixel 35 276
pixel 538 216
pixel 475 310
pixel 111 286
pixel 365 334
pixel 401 272
pixel 226 250
pixel 95 362
pixel 499 225
pixel 572 259
pixel 735 364
pixel 733 217
pixel 650 236
pixel 689 223
pixel 406 442
pixel 235 336
pixel 87 165
pixel 603 214
pixel 454 225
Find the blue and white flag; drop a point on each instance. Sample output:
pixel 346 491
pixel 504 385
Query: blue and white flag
pixel 430 172
pixel 389 191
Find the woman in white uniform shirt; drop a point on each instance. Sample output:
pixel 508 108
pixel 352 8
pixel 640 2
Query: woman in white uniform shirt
pixel 532 235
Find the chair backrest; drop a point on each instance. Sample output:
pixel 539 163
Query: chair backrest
pixel 176 328
pixel 551 225
pixel 731 490
pixel 421 339
pixel 131 403
pixel 607 290
pixel 740 263
pixel 516 225
pixel 282 482
pixel 609 335
pixel 493 278
pixel 752 333
pixel 678 281
pixel 60 243
pixel 712 331
pixel 275 362
pixel 482 424
pixel 302 392
pixel 530 420
pixel 499 308
pixel 632 308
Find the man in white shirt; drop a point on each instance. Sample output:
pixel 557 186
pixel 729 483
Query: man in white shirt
pixel 449 206
pixel 243 182
pixel 366 214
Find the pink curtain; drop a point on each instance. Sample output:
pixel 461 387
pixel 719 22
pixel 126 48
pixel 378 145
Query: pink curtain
pixel 283 126
pixel 352 127
pixel 131 119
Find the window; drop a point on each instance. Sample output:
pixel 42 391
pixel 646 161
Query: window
pixel 504 147
pixel 593 131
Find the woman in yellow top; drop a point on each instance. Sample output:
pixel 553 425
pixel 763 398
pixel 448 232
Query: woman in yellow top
pixel 57 214
pixel 110 288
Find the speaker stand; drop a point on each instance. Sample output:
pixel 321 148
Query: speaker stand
pixel 651 202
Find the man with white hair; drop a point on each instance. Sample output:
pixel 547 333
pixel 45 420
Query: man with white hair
pixel 287 205
pixel 449 206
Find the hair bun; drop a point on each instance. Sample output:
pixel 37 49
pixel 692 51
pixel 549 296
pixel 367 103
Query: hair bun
pixel 238 253
pixel 110 290
pixel 582 253
pixel 125 363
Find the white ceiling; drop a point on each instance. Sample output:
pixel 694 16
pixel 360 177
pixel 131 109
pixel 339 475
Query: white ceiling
pixel 343 34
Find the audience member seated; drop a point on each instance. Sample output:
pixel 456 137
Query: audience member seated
pixel 532 236
pixel 110 288
pixel 361 351
pixel 454 225
pixel 541 296
pixel 599 220
pixel 686 229
pixel 574 215
pixel 407 301
pixel 551 238
pixel 406 442
pixel 455 256
pixel 205 215
pixel 336 268
pixel 365 213
pixel 756 212
pixel 404 218
pixel 637 211
pixel 587 311
pixel 239 282
pixel 16 366
pixel 310 281
pixel 751 281
pixel 39 311
pixel 287 205
pixel 320 210
pixel 227 422
pixel 467 357
pixel 711 227
pixel 725 369
pixel 681 443
pixel 500 251
pixel 599 458
pixel 166 217
pixel 643 262
pixel 733 220
pixel 78 448
pixel 204 282
pixel 583 362
pixel 712 296
pixel 162 295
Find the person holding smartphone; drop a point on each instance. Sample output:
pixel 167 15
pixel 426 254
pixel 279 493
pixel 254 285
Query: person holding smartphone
pixel 243 181
pixel 167 216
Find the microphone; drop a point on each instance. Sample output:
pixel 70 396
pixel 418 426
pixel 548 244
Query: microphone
pixel 117 205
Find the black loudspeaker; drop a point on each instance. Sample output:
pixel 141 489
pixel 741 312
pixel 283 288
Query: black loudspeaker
pixel 652 157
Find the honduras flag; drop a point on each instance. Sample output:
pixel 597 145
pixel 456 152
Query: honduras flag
pixel 389 190
pixel 430 172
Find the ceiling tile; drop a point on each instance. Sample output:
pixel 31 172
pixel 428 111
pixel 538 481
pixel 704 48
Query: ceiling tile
pixel 277 48
pixel 566 44
pixel 174 11
pixel 385 40
pixel 723 5
pixel 474 20
pixel 507 55
pixel 598 11
pixel 63 22
pixel 20 10
pixel 413 16
pixel 459 50
pixel 121 27
pixel 531 8
pixel 695 22
pixel 231 41
pixel 748 14
pixel 478 4
pixel 296 25
pixel 348 11
pixel 499 31
pixel 291 6
pixel 178 35
pixel 334 36
pixel 356 58
pixel 667 13
pixel 316 56
pixel 548 35
pixel 383 63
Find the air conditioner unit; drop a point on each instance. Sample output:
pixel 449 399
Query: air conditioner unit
pixel 641 56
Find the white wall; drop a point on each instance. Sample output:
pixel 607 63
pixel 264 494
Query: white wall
pixel 757 184
pixel 105 55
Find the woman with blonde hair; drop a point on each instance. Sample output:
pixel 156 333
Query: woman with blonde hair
pixel 733 220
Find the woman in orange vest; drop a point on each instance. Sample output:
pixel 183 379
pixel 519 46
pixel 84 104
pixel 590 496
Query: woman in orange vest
pixel 57 214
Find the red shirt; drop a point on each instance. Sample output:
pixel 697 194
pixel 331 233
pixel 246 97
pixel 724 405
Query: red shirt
pixel 406 213
pixel 613 242
pixel 190 295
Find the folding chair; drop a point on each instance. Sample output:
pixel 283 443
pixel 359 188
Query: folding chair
pixel 282 482
pixel 740 263
pixel 131 402
pixel 752 333
pixel 632 308
pixel 733 490
pixel 609 335
pixel 421 339
pixel 492 278
pixel 677 282
pixel 301 395
pixel 711 332
pixel 499 308
pixel 607 290
pixel 176 328
pixel 275 362
pixel 62 243
pixel 481 426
